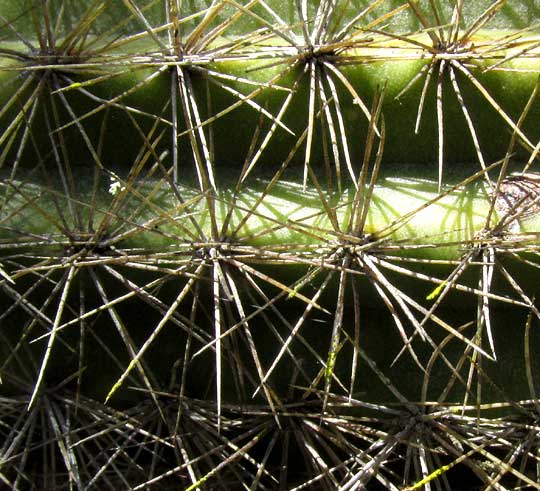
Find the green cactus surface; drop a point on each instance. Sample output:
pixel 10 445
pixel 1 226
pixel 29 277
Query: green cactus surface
pixel 269 245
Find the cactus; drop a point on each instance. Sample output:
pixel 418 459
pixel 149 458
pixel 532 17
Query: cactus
pixel 252 244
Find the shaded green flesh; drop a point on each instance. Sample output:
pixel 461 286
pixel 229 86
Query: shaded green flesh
pixel 379 341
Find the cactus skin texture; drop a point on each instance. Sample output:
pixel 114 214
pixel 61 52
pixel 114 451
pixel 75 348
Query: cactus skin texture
pixel 255 244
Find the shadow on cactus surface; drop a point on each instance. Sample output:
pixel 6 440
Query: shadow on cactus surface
pixel 269 245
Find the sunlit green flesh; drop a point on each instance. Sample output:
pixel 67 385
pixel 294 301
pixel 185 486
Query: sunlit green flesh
pixel 402 216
